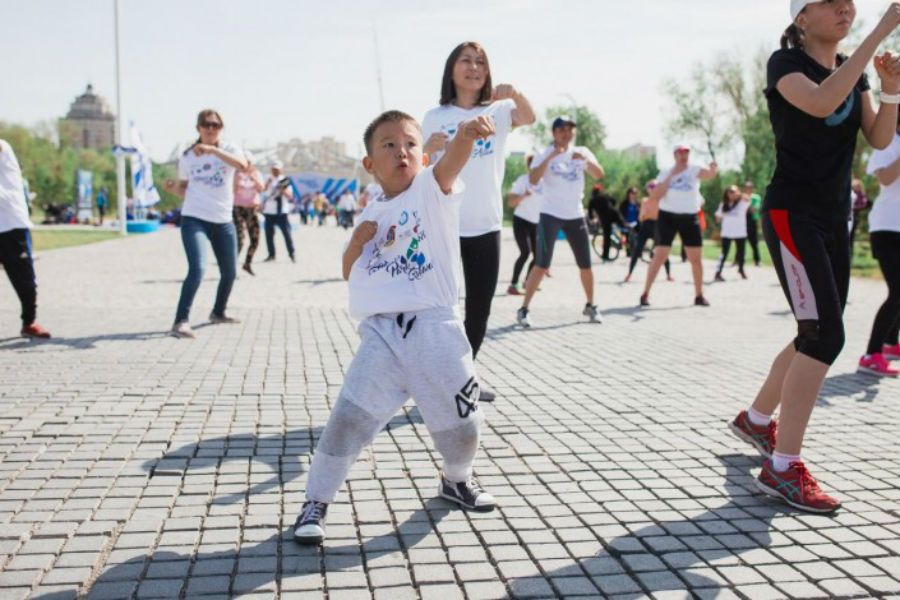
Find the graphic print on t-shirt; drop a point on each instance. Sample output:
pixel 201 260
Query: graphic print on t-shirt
pixel 567 169
pixel 398 257
pixel 482 147
pixel 682 182
pixel 209 174
pixel 842 113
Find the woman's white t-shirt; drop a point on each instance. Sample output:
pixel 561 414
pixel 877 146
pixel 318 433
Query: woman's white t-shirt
pixel 734 222
pixel 413 262
pixel 13 207
pixel 210 191
pixel 885 214
pixel 683 196
pixel 563 182
pixel 529 208
pixel 482 204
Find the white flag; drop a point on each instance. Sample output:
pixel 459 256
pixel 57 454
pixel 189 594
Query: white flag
pixel 145 193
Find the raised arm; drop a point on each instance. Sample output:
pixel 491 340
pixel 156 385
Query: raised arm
pixel 523 113
pixel 821 100
pixel 709 172
pixel 878 127
pixel 460 149
pixel 233 160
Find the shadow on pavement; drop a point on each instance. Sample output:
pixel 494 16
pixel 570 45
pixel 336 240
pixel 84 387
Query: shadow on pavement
pixel 641 563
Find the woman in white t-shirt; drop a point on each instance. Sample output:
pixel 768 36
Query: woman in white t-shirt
pixel 526 200
pixel 467 92
pixel 732 215
pixel 206 182
pixel 884 233
pixel 680 204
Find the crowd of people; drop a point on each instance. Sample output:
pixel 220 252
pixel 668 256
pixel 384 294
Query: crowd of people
pixel 436 216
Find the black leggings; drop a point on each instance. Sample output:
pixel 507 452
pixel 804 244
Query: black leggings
pixel 15 256
pixel 753 237
pixel 526 238
pixel 481 270
pixel 741 244
pixel 886 248
pixel 812 259
pixel 646 232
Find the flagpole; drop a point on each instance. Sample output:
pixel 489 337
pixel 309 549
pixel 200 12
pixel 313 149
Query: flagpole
pixel 120 157
pixel 378 63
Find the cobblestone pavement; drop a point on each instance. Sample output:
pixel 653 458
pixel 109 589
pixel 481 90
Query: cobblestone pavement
pixel 138 465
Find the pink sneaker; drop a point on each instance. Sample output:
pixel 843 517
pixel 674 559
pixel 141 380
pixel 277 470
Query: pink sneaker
pixel 877 364
pixel 891 352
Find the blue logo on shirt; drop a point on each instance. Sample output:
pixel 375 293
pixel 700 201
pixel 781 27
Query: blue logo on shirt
pixel 842 113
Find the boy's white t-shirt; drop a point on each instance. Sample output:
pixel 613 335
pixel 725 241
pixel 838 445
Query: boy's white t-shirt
pixel 734 222
pixel 413 261
pixel 529 208
pixel 563 182
pixel 210 193
pixel 885 214
pixel 482 203
pixel 683 196
pixel 13 207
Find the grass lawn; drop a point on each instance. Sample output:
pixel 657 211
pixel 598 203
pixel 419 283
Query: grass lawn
pixel 47 239
pixel 864 265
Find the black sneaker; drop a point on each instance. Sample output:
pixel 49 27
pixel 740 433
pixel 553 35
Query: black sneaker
pixel 522 318
pixel 701 301
pixel 310 526
pixel 468 494
pixel 645 299
pixel 269 259
pixel 485 393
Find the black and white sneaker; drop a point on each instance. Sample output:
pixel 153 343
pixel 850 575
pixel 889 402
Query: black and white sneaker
pixel 467 494
pixel 522 318
pixel 310 526
pixel 593 313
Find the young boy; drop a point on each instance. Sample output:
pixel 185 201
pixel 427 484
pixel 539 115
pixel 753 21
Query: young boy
pixel 403 264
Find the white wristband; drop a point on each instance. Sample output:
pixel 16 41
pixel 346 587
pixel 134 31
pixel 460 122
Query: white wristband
pixel 889 98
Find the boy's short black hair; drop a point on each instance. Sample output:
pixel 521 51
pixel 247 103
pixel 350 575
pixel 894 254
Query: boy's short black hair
pixel 390 116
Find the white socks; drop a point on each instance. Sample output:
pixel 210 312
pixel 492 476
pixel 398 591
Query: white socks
pixel 757 418
pixel 782 462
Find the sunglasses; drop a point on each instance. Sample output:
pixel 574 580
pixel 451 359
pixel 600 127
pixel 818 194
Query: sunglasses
pixel 211 125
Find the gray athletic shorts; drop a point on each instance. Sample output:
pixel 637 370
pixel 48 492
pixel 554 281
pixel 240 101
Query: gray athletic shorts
pixel 576 231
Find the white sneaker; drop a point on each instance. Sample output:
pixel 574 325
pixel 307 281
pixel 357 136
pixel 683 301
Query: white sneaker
pixel 467 494
pixel 522 318
pixel 182 329
pixel 593 313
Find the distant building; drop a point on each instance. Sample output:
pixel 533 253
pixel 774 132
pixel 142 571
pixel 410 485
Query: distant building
pixel 89 123
pixel 639 151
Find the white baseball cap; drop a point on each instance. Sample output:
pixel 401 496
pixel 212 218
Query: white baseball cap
pixel 277 164
pixel 799 5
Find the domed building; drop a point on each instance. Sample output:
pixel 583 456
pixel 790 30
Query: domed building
pixel 89 124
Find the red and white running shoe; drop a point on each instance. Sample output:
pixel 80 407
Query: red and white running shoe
pixel 891 352
pixel 761 437
pixel 796 487
pixel 876 364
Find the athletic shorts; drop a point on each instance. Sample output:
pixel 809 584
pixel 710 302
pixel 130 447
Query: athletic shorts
pixel 576 231
pixel 812 259
pixel 687 226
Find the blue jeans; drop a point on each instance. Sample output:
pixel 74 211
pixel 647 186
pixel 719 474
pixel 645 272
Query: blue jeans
pixel 280 221
pixel 223 238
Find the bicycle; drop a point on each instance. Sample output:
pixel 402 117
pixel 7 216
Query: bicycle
pixel 619 238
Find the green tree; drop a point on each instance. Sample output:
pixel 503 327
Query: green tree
pixel 591 131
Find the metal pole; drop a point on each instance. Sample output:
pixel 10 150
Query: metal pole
pixel 121 193
pixel 378 64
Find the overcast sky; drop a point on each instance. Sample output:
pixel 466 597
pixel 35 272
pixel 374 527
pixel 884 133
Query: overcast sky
pixel 278 69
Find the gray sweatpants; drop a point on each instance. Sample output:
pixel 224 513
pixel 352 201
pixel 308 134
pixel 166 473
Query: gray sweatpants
pixel 423 354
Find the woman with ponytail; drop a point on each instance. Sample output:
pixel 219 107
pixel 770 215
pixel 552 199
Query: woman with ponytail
pixel 819 101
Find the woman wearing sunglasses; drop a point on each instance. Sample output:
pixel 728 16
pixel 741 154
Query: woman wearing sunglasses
pixel 205 180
